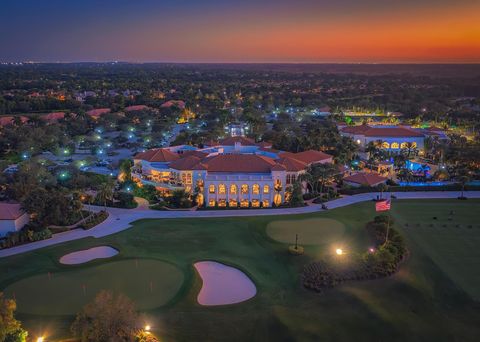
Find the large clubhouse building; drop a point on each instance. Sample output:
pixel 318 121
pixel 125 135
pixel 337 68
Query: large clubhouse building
pixel 235 171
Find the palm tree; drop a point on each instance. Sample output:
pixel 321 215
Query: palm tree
pixel 105 193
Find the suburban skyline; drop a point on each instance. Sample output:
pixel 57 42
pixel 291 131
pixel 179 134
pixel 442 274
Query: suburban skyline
pixel 216 31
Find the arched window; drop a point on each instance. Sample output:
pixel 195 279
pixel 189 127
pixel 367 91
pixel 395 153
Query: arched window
pixel 403 145
pixel 244 188
pixel 414 144
pixel 265 203
pixel 222 190
pixel 266 189
pixel 255 203
pixel 211 188
pixel 233 204
pixel 211 203
pixel 385 144
pixel 256 189
pixel 394 145
pixel 244 203
pixel 233 189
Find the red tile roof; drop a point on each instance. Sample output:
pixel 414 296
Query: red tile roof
pixel 188 163
pixel 10 211
pixel 198 154
pixel 135 108
pixel 98 112
pixel 370 179
pixel 52 117
pixel 240 163
pixel 386 132
pixel 177 103
pixel 291 164
pixel 157 155
pixel 8 120
pixel 307 157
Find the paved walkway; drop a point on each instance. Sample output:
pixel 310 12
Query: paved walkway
pixel 121 219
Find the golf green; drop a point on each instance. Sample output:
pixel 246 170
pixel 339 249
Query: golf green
pixel 150 283
pixel 315 231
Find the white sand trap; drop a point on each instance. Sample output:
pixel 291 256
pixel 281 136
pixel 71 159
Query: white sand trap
pixel 223 284
pixel 87 255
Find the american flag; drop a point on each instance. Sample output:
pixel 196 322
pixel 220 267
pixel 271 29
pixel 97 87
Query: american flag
pixel 383 205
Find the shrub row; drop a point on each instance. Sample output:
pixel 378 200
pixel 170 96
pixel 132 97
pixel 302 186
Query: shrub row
pixel 23 236
pixel 383 261
pixel 94 220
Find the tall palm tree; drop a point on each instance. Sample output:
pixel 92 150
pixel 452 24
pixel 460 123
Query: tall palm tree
pixel 105 193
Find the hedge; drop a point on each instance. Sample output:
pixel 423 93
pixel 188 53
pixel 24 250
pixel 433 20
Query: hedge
pixel 381 262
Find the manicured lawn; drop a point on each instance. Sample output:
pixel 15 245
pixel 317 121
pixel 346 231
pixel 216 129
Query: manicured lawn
pixel 450 236
pixel 316 231
pixel 423 301
pixel 150 283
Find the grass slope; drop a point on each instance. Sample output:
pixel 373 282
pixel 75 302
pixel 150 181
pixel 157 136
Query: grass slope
pixel 420 303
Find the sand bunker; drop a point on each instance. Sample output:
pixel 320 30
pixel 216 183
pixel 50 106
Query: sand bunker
pixel 87 255
pixel 223 284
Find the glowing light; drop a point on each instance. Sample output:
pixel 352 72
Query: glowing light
pixel 339 251
pixel 371 250
pixel 41 339
pixel 147 328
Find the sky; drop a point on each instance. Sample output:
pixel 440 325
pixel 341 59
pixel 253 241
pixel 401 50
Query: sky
pixel 243 31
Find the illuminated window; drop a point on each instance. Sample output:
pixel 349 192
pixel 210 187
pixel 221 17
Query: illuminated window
pixel 233 189
pixel 403 145
pixel 256 189
pixel 222 203
pixel 265 203
pixel 385 144
pixel 277 199
pixel 211 203
pixel 394 145
pixel 244 189
pixel 189 178
pixel 211 188
pixel 200 199
pixel 222 190
pixel 255 203
pixel 266 189
pixel 233 204
pixel 244 203
pixel 414 144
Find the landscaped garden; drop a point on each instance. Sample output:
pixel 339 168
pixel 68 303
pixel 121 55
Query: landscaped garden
pixel 431 297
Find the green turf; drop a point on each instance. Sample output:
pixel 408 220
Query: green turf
pixel 315 231
pixel 451 240
pixel 424 301
pixel 150 283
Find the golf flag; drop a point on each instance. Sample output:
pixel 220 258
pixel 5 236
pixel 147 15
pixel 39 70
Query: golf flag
pixel 382 205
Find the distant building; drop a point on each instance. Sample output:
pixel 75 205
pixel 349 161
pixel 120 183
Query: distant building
pixel 12 218
pixel 394 138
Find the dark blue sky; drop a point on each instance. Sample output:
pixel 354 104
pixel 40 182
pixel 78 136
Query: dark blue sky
pixel 241 31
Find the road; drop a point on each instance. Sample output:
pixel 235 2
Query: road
pixel 121 219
